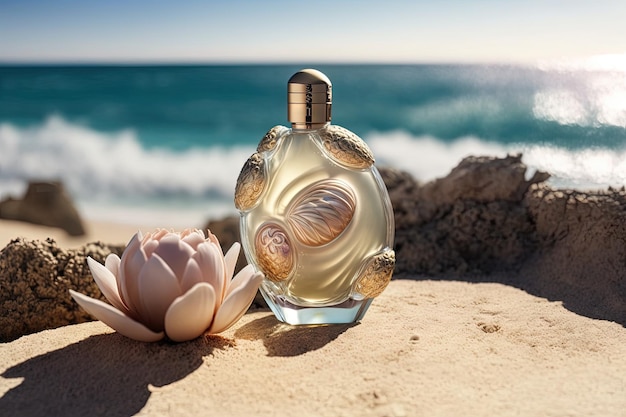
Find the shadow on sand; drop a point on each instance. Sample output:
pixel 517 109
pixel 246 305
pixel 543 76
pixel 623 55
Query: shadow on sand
pixel 78 380
pixel 281 339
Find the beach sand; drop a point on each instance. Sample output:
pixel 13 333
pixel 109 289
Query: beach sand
pixel 425 347
pixel 112 233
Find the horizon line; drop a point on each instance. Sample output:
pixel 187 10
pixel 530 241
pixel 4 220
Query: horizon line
pixel 245 62
pixel 599 61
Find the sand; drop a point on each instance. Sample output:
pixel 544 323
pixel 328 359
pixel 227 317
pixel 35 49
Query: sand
pixel 425 347
pixel 107 232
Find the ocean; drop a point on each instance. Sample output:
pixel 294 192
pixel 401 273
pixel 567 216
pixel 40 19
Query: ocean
pixel 164 144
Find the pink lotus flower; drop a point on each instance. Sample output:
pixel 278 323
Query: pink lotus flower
pixel 174 284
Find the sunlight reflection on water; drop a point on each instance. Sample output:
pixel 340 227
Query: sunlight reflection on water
pixel 595 94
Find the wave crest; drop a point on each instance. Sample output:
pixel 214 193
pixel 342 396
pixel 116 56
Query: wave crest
pixel 112 177
pixel 427 158
pixel 93 163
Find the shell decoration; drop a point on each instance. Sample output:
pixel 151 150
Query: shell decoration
pixel 270 139
pixel 376 275
pixel 346 148
pixel 274 253
pixel 321 212
pixel 250 183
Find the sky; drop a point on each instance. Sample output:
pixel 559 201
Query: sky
pixel 234 31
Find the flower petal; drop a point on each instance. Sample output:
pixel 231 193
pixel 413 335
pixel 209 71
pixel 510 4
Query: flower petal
pixel 174 252
pixel 190 315
pixel 116 319
pixel 112 263
pixel 240 279
pixel 230 259
pixel 107 283
pixel 236 303
pixel 159 233
pixel 211 262
pixel 149 246
pixel 213 239
pixel 191 276
pixel 131 263
pixel 193 238
pixel 158 288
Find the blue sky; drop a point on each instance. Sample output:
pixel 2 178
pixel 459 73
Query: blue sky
pixel 320 31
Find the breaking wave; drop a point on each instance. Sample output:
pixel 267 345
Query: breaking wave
pixel 113 177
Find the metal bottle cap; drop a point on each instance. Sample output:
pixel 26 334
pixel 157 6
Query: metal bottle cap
pixel 309 99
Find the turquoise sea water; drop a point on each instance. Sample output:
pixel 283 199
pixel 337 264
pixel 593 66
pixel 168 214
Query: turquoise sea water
pixel 165 143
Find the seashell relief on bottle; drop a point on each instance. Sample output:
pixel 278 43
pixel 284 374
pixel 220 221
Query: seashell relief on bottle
pixel 316 218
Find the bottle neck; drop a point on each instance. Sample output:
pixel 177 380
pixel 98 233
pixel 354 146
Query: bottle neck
pixel 308 127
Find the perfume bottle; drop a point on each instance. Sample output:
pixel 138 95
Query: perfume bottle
pixel 316 217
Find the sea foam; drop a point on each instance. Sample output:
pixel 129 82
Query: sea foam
pixel 114 178
pixel 426 158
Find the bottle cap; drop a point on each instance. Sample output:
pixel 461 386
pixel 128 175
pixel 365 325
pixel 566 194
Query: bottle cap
pixel 309 99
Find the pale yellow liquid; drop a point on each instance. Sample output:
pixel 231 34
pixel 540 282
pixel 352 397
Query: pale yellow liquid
pixel 322 275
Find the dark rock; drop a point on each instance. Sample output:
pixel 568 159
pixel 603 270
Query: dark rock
pixel 35 277
pixel 486 222
pixel 482 179
pixel 469 222
pixel 47 204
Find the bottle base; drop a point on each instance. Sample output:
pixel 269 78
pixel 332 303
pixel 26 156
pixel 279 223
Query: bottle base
pixel 350 311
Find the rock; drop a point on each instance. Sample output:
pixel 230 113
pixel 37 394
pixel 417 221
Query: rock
pixel 35 277
pixel 486 222
pixel 581 253
pixel 469 222
pixel 482 179
pixel 47 204
pixel 483 222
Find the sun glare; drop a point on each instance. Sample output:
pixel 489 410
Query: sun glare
pixel 603 62
pixel 593 93
pixel 606 62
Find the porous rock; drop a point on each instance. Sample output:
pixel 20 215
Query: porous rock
pixel 486 222
pixel 35 277
pixel 581 256
pixel 472 221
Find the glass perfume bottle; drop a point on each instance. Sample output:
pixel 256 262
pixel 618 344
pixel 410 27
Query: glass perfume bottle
pixel 316 217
